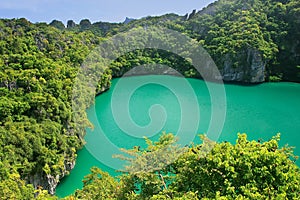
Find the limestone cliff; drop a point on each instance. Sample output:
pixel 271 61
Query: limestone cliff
pixel 47 181
pixel 250 70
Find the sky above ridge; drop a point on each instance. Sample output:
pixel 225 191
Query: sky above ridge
pixel 95 10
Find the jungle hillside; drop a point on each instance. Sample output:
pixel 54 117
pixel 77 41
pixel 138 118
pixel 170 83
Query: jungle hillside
pixel 251 41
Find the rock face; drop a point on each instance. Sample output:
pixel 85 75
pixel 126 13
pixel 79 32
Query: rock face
pixel 209 10
pixel 127 20
pixel 251 67
pixel 85 24
pixel 57 24
pixel 71 24
pixel 247 66
pixel 191 15
pixel 49 182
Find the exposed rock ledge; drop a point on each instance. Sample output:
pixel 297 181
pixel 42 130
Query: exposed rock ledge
pixel 49 182
pixel 251 71
pixel 247 66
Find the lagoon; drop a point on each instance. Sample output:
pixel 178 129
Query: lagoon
pixel 147 105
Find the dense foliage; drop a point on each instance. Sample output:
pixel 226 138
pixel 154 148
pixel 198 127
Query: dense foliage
pixel 229 28
pixel 38 66
pixel 245 170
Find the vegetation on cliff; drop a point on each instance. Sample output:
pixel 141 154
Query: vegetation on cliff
pixel 38 66
pixel 39 63
pixel 231 30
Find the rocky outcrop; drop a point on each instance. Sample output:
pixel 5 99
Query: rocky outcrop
pixel 57 24
pixel 47 181
pixel 85 24
pixel 127 20
pixel 71 24
pixel 191 15
pixel 209 10
pixel 248 66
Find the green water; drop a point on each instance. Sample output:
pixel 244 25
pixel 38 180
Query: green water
pixel 164 103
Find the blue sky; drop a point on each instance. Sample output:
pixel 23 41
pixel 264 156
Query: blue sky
pixel 95 10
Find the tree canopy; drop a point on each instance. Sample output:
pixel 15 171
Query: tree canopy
pixel 210 170
pixel 39 137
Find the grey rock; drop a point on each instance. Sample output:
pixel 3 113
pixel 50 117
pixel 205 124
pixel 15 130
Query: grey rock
pixel 48 181
pixel 252 69
pixel 127 20
pixel 71 24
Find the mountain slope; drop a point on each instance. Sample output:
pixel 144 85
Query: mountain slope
pixel 250 41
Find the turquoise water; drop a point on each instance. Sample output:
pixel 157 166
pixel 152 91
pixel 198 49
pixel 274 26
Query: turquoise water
pixel 147 105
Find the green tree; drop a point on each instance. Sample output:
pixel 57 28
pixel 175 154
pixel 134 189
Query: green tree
pixel 245 170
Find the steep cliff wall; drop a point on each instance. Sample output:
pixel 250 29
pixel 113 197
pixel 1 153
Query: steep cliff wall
pixel 47 181
pixel 252 69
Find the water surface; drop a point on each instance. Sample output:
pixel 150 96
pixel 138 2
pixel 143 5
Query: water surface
pixel 261 111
